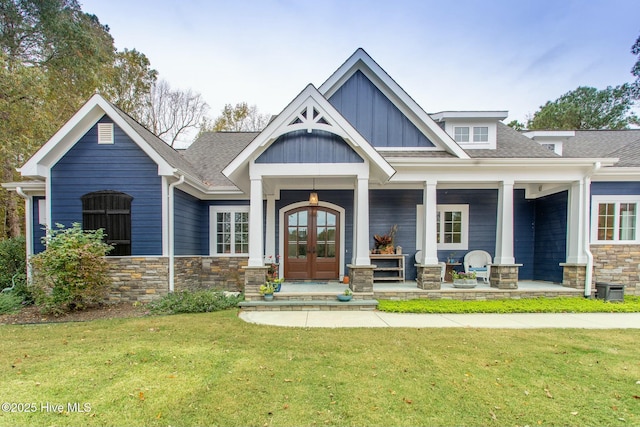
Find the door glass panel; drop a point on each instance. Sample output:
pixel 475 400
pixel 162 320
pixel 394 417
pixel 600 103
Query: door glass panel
pixel 297 235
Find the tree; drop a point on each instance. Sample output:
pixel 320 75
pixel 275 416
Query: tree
pixel 635 49
pixel 170 113
pixel 130 81
pixel 516 125
pixel 588 108
pixel 241 118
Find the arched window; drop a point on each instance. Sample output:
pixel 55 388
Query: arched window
pixel 110 210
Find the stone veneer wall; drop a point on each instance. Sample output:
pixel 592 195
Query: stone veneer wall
pixel 617 264
pixel 224 273
pixel 140 279
pixel 145 279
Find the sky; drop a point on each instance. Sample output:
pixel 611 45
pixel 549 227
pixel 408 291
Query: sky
pixel 447 55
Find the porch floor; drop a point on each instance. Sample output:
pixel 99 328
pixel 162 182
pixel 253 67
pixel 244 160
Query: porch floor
pixel 410 290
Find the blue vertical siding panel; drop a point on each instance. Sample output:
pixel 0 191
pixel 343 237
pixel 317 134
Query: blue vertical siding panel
pixel 304 147
pixel 615 188
pixel 366 108
pixel 121 166
pixel 550 236
pixel 188 223
pixel 39 231
pixel 524 234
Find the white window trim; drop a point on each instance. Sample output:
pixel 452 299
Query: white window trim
pixel 473 137
pixel 596 201
pixel 213 235
pixel 463 245
pixel 469 136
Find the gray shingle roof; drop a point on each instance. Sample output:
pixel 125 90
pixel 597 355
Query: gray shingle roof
pixel 212 151
pixel 511 144
pixel 170 155
pixel 624 144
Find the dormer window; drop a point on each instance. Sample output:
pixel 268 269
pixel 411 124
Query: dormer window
pixel 480 134
pixel 461 134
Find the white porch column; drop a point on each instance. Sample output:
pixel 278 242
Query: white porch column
pixel 429 224
pixel 270 239
pixel 504 232
pixel 576 212
pixel 255 224
pixel 362 223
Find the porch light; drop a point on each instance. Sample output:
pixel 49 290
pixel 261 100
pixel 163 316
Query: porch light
pixel 313 198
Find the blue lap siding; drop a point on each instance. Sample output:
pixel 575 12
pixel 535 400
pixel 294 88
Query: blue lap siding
pixel 122 166
pixel 615 188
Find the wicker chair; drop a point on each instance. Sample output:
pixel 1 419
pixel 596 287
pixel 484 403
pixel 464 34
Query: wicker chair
pixel 478 262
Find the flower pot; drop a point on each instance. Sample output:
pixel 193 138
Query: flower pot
pixel 343 297
pixel 268 297
pixel 278 286
pixel 465 283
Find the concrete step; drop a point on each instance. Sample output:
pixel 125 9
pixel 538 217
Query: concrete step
pixel 309 305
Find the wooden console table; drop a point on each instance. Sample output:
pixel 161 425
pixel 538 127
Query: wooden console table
pixel 388 267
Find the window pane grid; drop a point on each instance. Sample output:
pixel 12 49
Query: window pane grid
pixel 480 134
pixel 617 221
pixel 461 134
pixel 232 232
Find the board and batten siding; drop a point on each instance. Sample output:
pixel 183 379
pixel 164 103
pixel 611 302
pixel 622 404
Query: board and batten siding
pixel 524 234
pixel 550 236
pixel 374 116
pixel 121 166
pixel 303 147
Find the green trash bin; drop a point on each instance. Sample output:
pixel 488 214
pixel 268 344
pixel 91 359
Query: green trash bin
pixel 610 291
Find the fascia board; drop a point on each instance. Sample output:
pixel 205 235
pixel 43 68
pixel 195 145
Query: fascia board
pixel 543 162
pixel 278 127
pixel 361 61
pixel 71 132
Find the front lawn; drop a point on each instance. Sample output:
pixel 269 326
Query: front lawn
pixel 215 369
pixel 631 304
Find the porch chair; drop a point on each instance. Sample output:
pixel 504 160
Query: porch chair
pixel 479 262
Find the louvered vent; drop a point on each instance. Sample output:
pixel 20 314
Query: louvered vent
pixel 105 133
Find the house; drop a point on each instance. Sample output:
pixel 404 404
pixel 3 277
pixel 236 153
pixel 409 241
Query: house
pixel 554 206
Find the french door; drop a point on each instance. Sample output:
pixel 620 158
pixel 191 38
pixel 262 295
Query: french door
pixel 312 243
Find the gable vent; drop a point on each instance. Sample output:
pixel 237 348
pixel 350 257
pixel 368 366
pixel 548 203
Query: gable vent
pixel 105 133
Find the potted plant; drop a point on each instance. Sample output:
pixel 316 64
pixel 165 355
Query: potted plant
pixel 464 280
pixel 277 283
pixel 267 291
pixel 346 295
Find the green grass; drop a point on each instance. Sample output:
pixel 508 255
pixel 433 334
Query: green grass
pixel 215 369
pixel 631 304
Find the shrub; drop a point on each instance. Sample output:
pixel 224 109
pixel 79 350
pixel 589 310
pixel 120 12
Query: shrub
pixel 10 302
pixel 71 274
pixel 13 266
pixel 194 302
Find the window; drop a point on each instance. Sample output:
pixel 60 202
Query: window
pixel 229 230
pixel 452 227
pixel 480 134
pixel 111 211
pixel 614 219
pixel 461 134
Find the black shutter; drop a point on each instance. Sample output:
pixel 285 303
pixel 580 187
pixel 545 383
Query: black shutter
pixel 111 211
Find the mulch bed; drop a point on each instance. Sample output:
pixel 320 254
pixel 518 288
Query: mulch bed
pixel 32 315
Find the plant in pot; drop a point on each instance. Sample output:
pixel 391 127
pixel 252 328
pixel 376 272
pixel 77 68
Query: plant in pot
pixel 267 291
pixel 464 280
pixel 346 295
pixel 277 283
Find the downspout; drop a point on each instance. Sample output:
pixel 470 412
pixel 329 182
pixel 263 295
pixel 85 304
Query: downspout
pixel 172 267
pixel 28 228
pixel 587 229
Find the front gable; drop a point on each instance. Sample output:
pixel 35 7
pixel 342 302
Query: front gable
pixel 317 146
pixel 375 116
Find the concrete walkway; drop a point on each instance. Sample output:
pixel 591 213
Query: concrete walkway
pixel 378 319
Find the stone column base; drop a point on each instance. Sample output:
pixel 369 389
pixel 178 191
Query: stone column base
pixel 361 278
pixel 574 275
pixel 428 277
pixel 254 277
pixel 504 276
